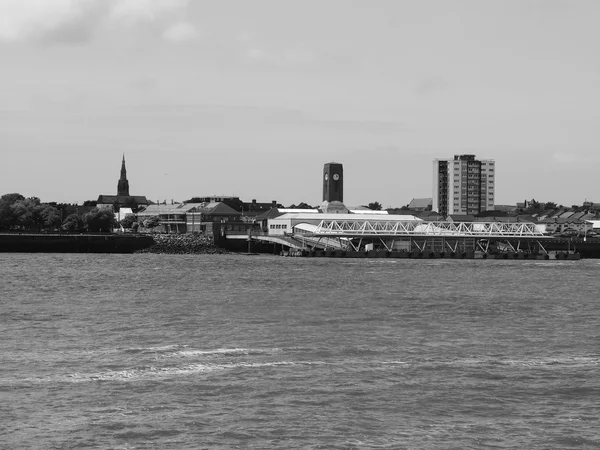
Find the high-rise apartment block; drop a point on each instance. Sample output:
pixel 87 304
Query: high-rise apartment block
pixel 463 185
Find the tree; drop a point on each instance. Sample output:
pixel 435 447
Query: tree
pixel 51 217
pixel 128 221
pixel 72 223
pixel 533 207
pixel 375 206
pixel 151 222
pixel 550 205
pixel 28 213
pixel 99 219
pixel 7 216
pixel 11 198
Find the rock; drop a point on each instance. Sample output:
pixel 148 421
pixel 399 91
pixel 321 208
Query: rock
pixel 181 244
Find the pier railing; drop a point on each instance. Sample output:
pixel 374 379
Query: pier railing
pixel 355 228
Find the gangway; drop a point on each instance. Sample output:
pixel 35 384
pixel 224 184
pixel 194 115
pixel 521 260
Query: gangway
pixel 325 243
pixel 294 241
pixel 438 236
pixel 355 228
pixel 288 241
pixel 407 235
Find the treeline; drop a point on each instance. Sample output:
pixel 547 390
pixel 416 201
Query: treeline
pixel 533 207
pixel 18 213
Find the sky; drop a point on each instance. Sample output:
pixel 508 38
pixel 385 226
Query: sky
pixel 251 98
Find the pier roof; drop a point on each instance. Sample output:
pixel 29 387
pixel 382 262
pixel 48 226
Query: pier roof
pixel 351 217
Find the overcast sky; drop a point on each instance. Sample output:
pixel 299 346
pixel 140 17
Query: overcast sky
pixel 251 98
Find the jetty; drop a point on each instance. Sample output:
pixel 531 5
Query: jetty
pixel 389 236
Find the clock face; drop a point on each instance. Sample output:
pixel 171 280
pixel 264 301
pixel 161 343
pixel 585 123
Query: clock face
pixel 326 177
pixel 336 176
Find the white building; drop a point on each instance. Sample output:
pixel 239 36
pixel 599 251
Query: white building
pixel 291 223
pixel 463 185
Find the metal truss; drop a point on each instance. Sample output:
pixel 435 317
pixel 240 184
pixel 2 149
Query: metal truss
pixel 335 243
pixel 376 228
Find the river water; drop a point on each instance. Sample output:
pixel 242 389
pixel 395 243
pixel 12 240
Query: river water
pixel 233 351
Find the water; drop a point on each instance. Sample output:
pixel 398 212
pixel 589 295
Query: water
pixel 174 352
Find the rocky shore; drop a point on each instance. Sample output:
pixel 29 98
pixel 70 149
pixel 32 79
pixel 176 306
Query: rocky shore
pixel 181 244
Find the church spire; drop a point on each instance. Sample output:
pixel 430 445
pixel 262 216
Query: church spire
pixel 123 185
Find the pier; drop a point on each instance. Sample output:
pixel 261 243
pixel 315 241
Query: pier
pixel 386 237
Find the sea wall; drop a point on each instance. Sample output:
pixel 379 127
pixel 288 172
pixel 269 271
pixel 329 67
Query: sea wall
pixel 179 244
pixel 588 248
pixel 73 243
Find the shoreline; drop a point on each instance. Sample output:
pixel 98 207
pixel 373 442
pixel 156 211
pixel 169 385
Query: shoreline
pixel 183 244
pixel 205 244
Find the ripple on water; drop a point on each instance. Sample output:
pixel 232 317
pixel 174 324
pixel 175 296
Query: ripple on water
pixel 227 351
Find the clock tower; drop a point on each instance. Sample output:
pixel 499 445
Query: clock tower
pixel 333 182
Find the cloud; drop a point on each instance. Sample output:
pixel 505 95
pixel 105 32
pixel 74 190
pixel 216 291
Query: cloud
pixel 74 21
pixel 180 32
pixel 566 157
pixel 430 85
pixel 145 10
pixel 283 57
pixel 21 19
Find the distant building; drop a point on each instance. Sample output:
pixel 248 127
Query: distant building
pixel 255 208
pixel 193 217
pixel 123 184
pixel 420 204
pixel 251 209
pixel 505 208
pixel 307 222
pixel 463 185
pixel 333 189
pixel 457 218
pixel 333 182
pixel 122 198
pixel 364 210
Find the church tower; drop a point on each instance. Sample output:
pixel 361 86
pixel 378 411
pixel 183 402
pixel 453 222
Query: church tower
pixel 123 186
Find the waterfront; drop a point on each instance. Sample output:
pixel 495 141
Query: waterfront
pixel 201 351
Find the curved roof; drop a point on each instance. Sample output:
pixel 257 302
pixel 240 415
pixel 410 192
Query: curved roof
pixel 355 217
pixel 308 227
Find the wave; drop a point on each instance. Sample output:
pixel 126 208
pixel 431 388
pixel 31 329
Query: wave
pixel 225 352
pixel 571 361
pixel 156 349
pixel 151 372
